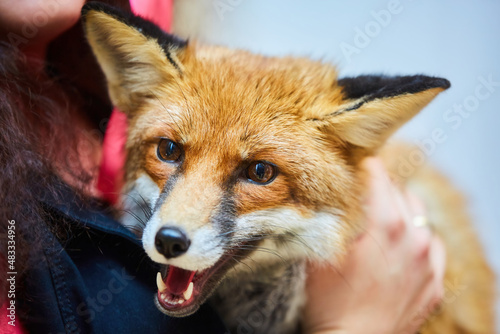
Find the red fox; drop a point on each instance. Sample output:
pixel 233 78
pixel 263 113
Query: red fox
pixel 250 166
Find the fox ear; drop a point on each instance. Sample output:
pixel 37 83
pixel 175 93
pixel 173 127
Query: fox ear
pixel 374 107
pixel 135 55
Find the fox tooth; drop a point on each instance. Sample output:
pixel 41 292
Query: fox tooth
pixel 189 292
pixel 159 282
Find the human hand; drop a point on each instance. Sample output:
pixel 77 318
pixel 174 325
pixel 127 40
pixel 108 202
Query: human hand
pixel 393 272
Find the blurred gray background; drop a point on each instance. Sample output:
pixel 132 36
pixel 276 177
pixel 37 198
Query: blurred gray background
pixel 455 39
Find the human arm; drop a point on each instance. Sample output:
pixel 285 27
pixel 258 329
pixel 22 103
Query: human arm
pixel 392 277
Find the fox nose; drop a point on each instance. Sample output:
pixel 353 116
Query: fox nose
pixel 171 242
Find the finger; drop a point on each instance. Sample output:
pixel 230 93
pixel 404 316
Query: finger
pixel 430 293
pixel 397 227
pixel 438 262
pixel 403 202
pixel 420 308
pixel 433 289
pixel 421 235
pixel 381 209
pixel 415 204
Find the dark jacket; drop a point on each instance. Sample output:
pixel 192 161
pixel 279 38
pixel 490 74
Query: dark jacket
pixel 97 279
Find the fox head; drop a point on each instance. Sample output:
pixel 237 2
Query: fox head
pixel 242 159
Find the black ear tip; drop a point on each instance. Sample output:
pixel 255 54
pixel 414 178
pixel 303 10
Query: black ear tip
pixel 443 83
pixel 432 82
pixel 85 10
pixel 98 6
pixel 88 7
pixel 424 82
pixel 381 86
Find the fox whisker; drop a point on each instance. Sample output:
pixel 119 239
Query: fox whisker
pixel 242 263
pixel 146 210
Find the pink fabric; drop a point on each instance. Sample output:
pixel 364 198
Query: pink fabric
pixel 113 149
pixel 5 328
pixel 113 157
pixel 157 11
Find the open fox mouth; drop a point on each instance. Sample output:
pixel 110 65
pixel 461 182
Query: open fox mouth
pixel 181 292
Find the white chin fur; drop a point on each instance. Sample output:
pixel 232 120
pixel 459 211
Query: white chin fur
pixel 317 237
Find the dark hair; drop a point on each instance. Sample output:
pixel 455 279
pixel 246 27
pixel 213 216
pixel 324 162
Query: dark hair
pixel 32 127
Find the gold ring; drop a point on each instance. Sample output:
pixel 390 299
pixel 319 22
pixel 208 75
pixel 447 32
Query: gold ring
pixel 420 221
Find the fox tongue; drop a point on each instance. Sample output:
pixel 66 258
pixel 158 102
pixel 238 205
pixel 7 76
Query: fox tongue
pixel 178 280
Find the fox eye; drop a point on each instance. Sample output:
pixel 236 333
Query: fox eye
pixel 261 172
pixel 168 151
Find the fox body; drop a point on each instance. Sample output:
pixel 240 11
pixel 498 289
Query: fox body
pixel 243 167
